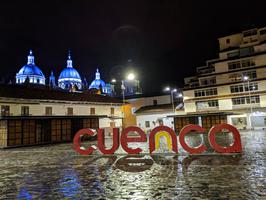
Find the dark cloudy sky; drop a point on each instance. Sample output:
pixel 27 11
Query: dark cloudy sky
pixel 165 39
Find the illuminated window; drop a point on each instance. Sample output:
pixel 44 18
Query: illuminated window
pixel 250 74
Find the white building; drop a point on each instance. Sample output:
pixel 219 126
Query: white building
pixel 31 115
pixel 233 83
pixel 153 111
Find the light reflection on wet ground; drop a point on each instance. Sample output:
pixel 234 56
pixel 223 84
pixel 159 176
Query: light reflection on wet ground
pixel 57 172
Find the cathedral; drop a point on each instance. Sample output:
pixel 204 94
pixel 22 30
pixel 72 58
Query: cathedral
pixel 69 78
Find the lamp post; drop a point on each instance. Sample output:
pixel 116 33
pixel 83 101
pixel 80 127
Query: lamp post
pixel 246 78
pixel 172 91
pixel 129 77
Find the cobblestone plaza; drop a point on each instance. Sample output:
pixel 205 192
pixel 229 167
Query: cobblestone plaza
pixel 57 172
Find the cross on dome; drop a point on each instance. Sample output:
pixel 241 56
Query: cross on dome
pixel 69 61
pixel 97 74
pixel 30 58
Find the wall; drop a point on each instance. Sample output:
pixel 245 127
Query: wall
pixel 153 121
pixel 60 109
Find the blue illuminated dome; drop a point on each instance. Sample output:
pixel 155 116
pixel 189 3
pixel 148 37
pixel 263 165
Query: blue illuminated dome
pixel 69 77
pixel 30 71
pixel 97 83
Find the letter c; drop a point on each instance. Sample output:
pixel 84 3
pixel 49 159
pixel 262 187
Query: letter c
pixel 185 130
pixel 77 142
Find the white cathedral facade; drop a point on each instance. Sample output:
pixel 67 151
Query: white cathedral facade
pixel 69 78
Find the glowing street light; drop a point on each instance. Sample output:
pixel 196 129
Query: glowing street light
pixel 172 91
pixel 113 80
pixel 245 78
pixel 180 95
pixel 131 76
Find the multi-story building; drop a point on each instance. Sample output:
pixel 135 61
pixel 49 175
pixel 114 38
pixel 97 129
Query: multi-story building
pixel 233 85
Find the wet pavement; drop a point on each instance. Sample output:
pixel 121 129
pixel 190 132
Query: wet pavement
pixel 57 172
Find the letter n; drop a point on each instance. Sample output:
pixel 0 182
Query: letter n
pixel 162 129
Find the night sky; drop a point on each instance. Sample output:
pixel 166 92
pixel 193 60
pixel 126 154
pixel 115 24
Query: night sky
pixel 164 40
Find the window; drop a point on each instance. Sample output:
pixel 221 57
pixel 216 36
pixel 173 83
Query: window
pixel 247 63
pixel 262 32
pixel 112 111
pixel 233 54
pixel 253 99
pixel 250 74
pixel 235 77
pixel 48 111
pixel 246 51
pixel 207 92
pixel 5 110
pixel 244 87
pixel 213 103
pixel 234 65
pixel 70 111
pixel 236 88
pixel 92 111
pixel 199 93
pixel 25 110
pixel 250 33
pixel 246 100
pixel 211 92
pixel 251 87
pixel 155 102
pixel 147 124
pixel 227 41
pixel 207 104
pixel 208 81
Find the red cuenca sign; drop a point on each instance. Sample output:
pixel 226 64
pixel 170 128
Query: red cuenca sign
pixel 154 138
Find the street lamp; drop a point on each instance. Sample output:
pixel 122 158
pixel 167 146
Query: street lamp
pixel 113 80
pixel 246 78
pixel 172 91
pixel 129 77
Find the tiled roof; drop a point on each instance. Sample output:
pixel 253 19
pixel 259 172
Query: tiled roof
pixel 46 93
